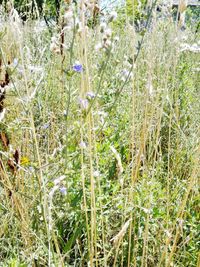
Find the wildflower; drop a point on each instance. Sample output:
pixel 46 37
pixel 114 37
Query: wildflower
pixel 63 190
pixel 15 62
pixel 90 95
pixel 24 161
pixel 31 169
pixel 45 126
pixel 125 75
pixel 82 145
pixel 78 67
pixel 59 180
pixel 65 113
pixel 102 116
pixel 83 103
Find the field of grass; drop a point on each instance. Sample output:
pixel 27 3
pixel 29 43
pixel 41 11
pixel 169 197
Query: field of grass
pixel 99 143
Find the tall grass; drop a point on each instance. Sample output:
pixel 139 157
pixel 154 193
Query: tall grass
pixel 108 143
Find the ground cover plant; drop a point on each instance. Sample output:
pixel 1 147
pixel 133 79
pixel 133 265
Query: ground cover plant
pixel 99 138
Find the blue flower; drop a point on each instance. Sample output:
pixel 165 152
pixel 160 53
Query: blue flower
pixel 63 190
pixel 45 126
pixel 78 68
pixel 15 62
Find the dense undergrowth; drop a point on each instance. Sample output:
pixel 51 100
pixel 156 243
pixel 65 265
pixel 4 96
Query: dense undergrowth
pixel 99 144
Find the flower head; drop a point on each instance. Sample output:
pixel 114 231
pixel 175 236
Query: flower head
pixel 63 190
pixel 78 67
pixel 15 62
pixel 83 103
pixel 45 126
pixel 82 145
pixel 90 95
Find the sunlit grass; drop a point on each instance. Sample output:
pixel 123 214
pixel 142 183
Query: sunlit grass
pixel 108 143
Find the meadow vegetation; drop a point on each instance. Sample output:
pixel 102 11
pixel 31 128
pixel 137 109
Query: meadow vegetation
pixel 99 140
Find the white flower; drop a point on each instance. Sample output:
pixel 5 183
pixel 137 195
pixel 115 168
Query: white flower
pixel 82 145
pixel 15 62
pixel 58 180
pixel 126 75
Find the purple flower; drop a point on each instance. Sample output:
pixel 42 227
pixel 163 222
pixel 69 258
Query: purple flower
pixel 45 126
pixel 83 103
pixel 78 68
pixel 90 95
pixel 63 190
pixel 82 145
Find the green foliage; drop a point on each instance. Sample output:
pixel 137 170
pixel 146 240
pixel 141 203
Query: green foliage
pixel 135 7
pixel 29 7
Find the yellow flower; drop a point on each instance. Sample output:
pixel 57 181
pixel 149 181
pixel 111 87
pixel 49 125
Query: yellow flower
pixel 24 161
